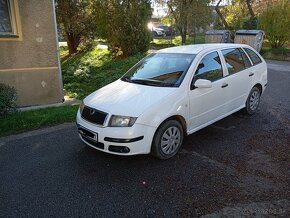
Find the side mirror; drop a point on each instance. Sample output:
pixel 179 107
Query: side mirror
pixel 203 83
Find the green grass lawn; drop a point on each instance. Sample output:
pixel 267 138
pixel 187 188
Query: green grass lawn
pixel 35 119
pixel 280 54
pixel 276 50
pixel 63 51
pixel 86 72
pixel 200 38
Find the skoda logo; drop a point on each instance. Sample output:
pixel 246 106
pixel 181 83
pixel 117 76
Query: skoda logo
pixel 92 112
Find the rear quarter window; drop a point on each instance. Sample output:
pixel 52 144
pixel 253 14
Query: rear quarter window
pixel 253 56
pixel 245 58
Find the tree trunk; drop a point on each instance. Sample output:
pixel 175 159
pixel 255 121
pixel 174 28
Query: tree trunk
pixel 72 43
pixel 183 38
pixel 221 15
pixel 182 26
pixel 250 8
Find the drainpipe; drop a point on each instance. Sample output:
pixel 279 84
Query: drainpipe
pixel 57 47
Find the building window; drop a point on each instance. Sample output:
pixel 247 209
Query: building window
pixel 8 26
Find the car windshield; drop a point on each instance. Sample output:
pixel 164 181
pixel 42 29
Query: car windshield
pixel 164 27
pixel 160 69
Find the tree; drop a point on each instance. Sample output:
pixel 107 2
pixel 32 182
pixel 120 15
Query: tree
pixel 275 21
pixel 124 24
pixel 218 11
pixel 201 16
pixel 249 2
pixel 252 22
pixel 76 22
pixel 236 14
pixel 188 15
pixel 167 20
pixel 239 14
pixel 261 5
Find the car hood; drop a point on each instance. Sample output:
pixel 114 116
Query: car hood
pixel 128 99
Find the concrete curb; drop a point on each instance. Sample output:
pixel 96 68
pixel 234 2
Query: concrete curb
pixel 68 101
pixel 44 130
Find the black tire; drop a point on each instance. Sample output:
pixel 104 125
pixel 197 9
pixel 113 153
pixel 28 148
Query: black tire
pixel 251 108
pixel 156 148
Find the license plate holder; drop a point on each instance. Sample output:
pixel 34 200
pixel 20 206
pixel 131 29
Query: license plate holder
pixel 88 134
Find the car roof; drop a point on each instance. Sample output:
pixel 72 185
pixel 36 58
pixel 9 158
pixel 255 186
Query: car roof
pixel 195 49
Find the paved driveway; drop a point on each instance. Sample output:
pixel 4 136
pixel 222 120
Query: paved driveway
pixel 239 165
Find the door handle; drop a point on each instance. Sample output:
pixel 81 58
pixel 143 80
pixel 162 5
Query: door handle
pixel 251 74
pixel 224 85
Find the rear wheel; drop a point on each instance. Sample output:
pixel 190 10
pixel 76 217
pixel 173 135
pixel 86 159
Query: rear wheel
pixel 167 140
pixel 253 101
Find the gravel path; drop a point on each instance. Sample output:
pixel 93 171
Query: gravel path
pixel 237 167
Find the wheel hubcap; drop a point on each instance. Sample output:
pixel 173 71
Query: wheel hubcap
pixel 170 140
pixel 254 100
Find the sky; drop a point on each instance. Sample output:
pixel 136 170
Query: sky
pixel 160 11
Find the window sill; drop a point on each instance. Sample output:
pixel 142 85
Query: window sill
pixel 8 36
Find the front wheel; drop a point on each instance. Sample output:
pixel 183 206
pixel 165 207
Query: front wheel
pixel 253 101
pixel 167 140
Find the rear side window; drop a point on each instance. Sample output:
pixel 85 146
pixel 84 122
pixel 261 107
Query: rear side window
pixel 209 68
pixel 234 60
pixel 246 59
pixel 254 57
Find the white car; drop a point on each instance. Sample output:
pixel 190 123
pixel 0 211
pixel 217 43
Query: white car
pixel 169 94
pixel 158 31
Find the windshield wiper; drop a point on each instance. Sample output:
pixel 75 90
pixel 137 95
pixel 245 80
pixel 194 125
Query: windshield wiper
pixel 150 82
pixel 126 79
pixel 146 82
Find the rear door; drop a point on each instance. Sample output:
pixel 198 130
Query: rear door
pixel 239 79
pixel 255 71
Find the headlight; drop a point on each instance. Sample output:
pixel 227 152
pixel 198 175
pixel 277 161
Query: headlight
pixel 82 105
pixel 122 121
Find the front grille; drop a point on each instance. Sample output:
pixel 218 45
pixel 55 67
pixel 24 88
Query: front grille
pixel 94 116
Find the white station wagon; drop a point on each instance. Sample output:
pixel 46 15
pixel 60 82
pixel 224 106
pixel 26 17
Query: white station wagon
pixel 169 94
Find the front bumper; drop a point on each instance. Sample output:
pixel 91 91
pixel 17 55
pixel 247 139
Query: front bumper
pixel 116 140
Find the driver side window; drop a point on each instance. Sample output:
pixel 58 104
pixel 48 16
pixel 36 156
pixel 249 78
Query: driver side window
pixel 209 68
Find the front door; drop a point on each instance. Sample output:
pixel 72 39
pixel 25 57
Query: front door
pixel 208 104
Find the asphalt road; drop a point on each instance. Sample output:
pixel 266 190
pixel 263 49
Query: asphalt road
pixel 238 166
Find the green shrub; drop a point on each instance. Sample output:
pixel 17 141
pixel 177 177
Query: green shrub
pixel 8 97
pixel 250 23
pixel 275 21
pixel 124 24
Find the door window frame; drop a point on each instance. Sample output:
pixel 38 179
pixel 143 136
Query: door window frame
pixel 247 56
pixel 251 58
pixel 224 70
pixel 226 62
